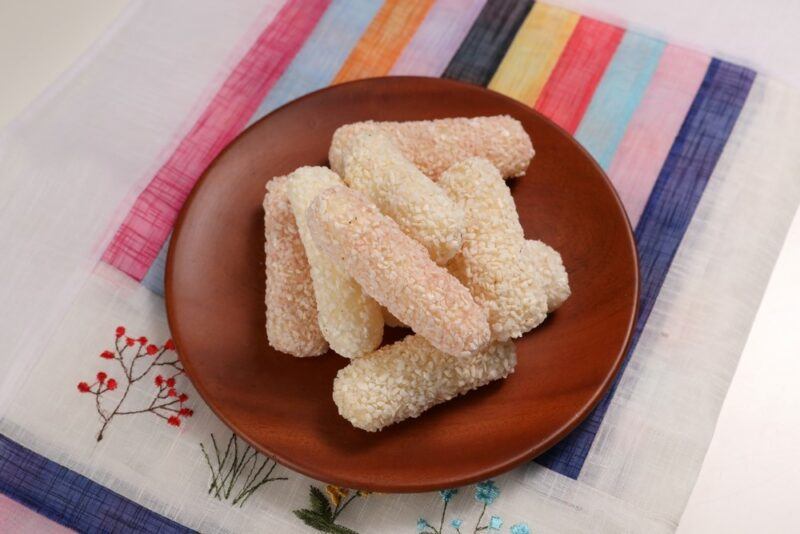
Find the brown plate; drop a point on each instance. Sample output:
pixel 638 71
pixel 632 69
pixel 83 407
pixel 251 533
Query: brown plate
pixel 283 406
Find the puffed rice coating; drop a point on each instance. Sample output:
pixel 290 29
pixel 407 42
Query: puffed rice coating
pixel 375 167
pixel 396 270
pixel 291 309
pixel 350 321
pixel 402 380
pixel 433 146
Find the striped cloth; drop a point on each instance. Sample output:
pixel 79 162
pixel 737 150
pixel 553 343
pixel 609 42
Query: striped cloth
pixel 677 132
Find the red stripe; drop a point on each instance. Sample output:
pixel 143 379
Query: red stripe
pixel 571 85
pixel 150 221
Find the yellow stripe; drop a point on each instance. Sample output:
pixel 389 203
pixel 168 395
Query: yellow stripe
pixel 534 52
pixel 384 40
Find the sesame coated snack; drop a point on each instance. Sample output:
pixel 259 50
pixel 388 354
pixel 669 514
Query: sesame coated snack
pixel 374 166
pixel 402 380
pixel 550 270
pixel 433 146
pixel 291 309
pixel 491 262
pixel 397 272
pixel 350 321
pixel 419 229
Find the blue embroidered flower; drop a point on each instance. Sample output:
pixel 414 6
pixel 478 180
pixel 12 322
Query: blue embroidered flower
pixel 520 528
pixel 447 494
pixel 486 492
pixel 495 523
pixel 421 524
pixel 456 523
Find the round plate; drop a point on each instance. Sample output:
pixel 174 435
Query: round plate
pixel 283 406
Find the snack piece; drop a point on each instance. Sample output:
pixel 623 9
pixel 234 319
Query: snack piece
pixel 374 166
pixel 291 309
pixel 491 262
pixel 396 271
pixel 406 378
pixel 550 270
pixel 433 146
pixel 390 320
pixel 350 321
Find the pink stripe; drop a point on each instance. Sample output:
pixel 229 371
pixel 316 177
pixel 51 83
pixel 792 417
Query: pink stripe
pixel 16 518
pixel 438 38
pixel 654 126
pixel 150 221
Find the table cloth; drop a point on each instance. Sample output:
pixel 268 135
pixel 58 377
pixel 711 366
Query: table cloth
pixel 701 151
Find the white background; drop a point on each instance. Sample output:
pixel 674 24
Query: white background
pixel 750 480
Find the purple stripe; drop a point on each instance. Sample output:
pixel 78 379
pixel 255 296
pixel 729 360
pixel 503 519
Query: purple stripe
pixel 71 499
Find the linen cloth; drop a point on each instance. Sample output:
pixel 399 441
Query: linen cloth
pixel 702 152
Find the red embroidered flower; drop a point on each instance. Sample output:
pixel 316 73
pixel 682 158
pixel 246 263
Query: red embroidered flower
pixel 120 331
pixel 186 412
pixel 111 384
pixel 101 377
pixel 159 380
pixel 183 397
pixel 174 420
pixel 171 382
pixel 107 354
pixel 129 341
pixel 151 349
pixel 169 345
pixel 172 393
pixel 83 387
pixel 142 340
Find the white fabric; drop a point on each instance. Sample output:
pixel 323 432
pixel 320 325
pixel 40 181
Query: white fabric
pixel 94 140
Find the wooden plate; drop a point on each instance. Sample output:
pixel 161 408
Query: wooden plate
pixel 282 405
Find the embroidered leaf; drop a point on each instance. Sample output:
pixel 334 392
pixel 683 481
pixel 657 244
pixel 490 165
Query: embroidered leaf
pixel 339 529
pixel 314 520
pixel 320 504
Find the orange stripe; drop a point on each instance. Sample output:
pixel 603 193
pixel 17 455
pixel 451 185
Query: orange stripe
pixel 385 38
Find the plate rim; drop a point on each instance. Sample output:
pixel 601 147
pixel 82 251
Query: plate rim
pixel 497 468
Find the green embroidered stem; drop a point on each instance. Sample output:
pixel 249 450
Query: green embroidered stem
pixel 237 474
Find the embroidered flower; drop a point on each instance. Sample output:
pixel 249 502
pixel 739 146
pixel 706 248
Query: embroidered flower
pixel 456 523
pixel 447 494
pixel 101 377
pixel 170 382
pixel 520 528
pixel 183 397
pixel 186 412
pixel 336 493
pixel 111 384
pixel 151 349
pixel 120 331
pixel 172 393
pixel 107 354
pixel 421 524
pixel 486 492
pixel 142 340
pixel 129 341
pixel 174 420
pixel 159 380
pixel 169 345
pixel 83 387
pixel 495 523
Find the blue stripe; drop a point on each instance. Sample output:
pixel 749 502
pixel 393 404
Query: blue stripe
pixel 618 95
pixel 323 53
pixel 670 208
pixel 71 499
pixel 154 279
pixel 487 41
